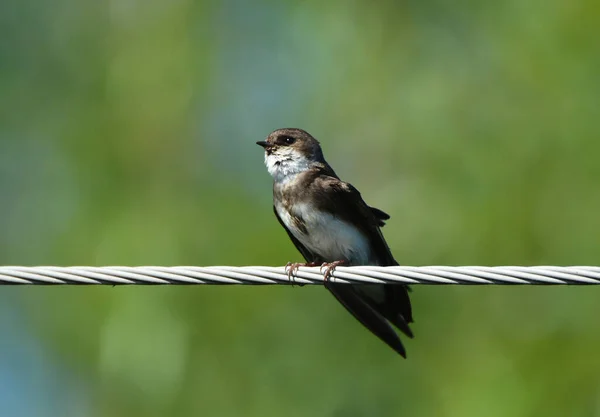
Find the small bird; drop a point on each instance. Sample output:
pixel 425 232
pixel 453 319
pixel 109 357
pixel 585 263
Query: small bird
pixel 330 224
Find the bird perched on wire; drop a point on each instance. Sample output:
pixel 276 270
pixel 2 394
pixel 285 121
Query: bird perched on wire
pixel 330 224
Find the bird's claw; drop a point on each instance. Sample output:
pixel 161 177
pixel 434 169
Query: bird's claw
pixel 292 267
pixel 329 268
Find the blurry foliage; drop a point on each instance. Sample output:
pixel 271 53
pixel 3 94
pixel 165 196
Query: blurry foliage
pixel 127 135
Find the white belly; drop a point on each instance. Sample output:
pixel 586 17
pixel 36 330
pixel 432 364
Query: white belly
pixel 327 236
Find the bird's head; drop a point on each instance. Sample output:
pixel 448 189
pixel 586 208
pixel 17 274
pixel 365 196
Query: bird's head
pixel 289 152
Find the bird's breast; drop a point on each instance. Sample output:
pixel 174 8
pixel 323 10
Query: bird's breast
pixel 325 234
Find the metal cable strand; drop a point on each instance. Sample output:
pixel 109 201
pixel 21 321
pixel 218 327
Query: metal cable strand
pixel 261 275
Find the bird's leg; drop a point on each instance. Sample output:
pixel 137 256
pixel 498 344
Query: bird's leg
pixel 330 267
pixel 292 267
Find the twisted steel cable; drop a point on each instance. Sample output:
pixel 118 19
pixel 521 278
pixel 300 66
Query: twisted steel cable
pixel 261 275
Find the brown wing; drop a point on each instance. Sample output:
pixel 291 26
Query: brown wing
pixel 345 202
pixel 382 216
pixel 325 170
pixel 370 304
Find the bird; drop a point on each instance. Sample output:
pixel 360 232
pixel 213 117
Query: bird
pixel 330 224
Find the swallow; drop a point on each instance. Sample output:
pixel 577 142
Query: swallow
pixel 329 223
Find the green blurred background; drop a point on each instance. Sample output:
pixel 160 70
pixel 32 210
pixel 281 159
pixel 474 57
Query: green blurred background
pixel 127 136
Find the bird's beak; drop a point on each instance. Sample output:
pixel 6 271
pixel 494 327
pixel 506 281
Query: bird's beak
pixel 263 143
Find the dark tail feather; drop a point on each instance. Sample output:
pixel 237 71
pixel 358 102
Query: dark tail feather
pixel 402 300
pixel 395 307
pixel 367 315
pixel 397 296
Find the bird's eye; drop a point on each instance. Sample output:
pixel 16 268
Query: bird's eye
pixel 288 140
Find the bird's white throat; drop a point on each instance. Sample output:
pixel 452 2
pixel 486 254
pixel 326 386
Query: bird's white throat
pixel 284 166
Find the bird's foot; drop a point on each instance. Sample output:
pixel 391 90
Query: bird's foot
pixel 329 268
pixel 292 267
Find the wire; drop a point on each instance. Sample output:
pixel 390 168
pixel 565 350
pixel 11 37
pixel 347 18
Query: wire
pixel 261 275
